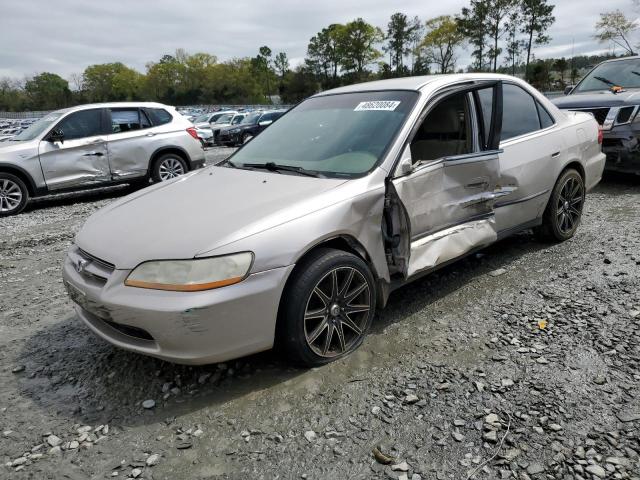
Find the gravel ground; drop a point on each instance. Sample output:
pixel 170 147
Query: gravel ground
pixel 518 362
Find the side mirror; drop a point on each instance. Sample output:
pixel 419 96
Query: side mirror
pixel 56 135
pixel 568 89
pixel 265 123
pixel 406 163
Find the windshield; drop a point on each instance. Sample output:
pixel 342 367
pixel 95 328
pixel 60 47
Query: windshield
pixel 621 73
pixel 226 118
pixel 336 135
pixel 237 119
pixel 201 119
pixel 251 118
pixel 38 127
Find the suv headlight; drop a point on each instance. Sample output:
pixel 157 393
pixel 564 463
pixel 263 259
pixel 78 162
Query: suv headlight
pixel 234 130
pixel 192 275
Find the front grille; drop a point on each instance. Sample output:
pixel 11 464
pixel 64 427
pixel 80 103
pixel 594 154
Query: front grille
pixel 106 265
pixel 93 269
pixel 600 114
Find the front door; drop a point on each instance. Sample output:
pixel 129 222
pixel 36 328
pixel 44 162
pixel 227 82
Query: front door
pixel 80 157
pixel 132 141
pixel 446 182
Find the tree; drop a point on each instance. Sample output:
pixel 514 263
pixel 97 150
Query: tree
pixel 537 17
pixel 399 35
pixel 497 12
pixel 472 24
pixel 416 36
pixel 47 91
pixel 263 63
pixel 111 81
pixel 357 42
pixel 616 27
pixel 560 66
pixel 324 53
pixel 281 63
pixel 442 39
pixel 300 84
pixel 514 45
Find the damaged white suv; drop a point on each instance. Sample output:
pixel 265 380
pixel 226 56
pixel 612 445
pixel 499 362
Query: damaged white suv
pixel 96 145
pixel 351 194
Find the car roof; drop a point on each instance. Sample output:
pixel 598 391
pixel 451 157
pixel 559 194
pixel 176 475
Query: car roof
pixel 416 83
pixel 113 105
pixel 633 57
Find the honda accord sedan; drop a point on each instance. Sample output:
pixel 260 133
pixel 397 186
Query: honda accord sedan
pixel 300 236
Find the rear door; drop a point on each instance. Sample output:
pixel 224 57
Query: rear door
pixel 81 157
pixel 441 201
pixel 131 142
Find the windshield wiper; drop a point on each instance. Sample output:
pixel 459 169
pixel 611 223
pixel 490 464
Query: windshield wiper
pixel 605 80
pixel 275 167
pixel 228 162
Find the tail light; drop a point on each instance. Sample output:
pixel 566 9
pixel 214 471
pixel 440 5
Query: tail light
pixel 600 134
pixel 192 131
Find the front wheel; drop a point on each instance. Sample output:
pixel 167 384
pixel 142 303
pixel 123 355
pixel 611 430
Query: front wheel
pixel 327 308
pixel 13 195
pixel 168 166
pixel 564 210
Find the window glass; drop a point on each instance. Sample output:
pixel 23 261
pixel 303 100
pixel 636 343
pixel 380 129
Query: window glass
pixel 545 118
pixel 519 112
pixel 86 123
pixel 342 135
pixel 486 106
pixel 237 119
pixel 445 132
pixel 144 120
pixel 159 116
pixel 125 120
pixel 620 73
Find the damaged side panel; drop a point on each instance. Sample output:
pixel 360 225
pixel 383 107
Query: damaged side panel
pixel 441 211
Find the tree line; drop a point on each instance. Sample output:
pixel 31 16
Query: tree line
pixel 501 36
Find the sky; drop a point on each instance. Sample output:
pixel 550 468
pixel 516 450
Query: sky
pixel 65 36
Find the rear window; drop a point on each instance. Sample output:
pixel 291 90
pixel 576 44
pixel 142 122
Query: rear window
pixel 159 116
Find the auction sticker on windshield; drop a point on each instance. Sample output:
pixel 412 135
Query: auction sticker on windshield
pixel 380 105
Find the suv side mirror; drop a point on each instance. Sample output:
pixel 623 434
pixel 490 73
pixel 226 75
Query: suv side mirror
pixel 568 89
pixel 56 135
pixel 265 123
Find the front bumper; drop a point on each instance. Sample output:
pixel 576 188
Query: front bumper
pixel 226 138
pixel 622 148
pixel 182 327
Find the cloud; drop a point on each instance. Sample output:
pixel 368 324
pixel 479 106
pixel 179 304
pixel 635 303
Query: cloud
pixel 68 35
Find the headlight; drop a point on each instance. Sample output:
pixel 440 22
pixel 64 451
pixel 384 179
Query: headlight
pixel 234 130
pixel 191 275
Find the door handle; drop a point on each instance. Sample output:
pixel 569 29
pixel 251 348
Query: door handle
pixel 97 140
pixel 555 155
pixel 93 154
pixel 150 134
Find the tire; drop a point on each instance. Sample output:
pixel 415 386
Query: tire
pixel 246 138
pixel 14 195
pixel 563 214
pixel 168 166
pixel 315 327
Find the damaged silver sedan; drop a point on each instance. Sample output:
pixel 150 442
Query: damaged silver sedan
pixel 303 233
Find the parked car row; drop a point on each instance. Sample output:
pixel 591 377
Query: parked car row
pixel 303 233
pixel 10 127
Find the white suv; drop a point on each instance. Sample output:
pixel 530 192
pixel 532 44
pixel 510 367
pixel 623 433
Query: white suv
pixel 93 145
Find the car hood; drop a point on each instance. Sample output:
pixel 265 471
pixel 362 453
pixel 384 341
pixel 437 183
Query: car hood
pixel 604 98
pixel 10 148
pixel 199 212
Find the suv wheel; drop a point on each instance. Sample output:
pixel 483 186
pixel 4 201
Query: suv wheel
pixel 13 195
pixel 168 166
pixel 328 307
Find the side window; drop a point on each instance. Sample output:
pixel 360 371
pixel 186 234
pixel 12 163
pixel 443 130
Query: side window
pixel 86 123
pixel 546 120
pixel 267 116
pixel 446 132
pixel 485 98
pixel 237 119
pixel 159 116
pixel 125 120
pixel 144 120
pixel 519 112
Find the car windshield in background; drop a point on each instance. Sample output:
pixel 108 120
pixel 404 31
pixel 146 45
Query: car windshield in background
pixel 251 118
pixel 621 73
pixel 226 118
pixel 342 135
pixel 201 119
pixel 38 127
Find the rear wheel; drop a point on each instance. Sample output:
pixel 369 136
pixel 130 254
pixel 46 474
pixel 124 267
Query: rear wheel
pixel 168 166
pixel 14 195
pixel 564 210
pixel 328 307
